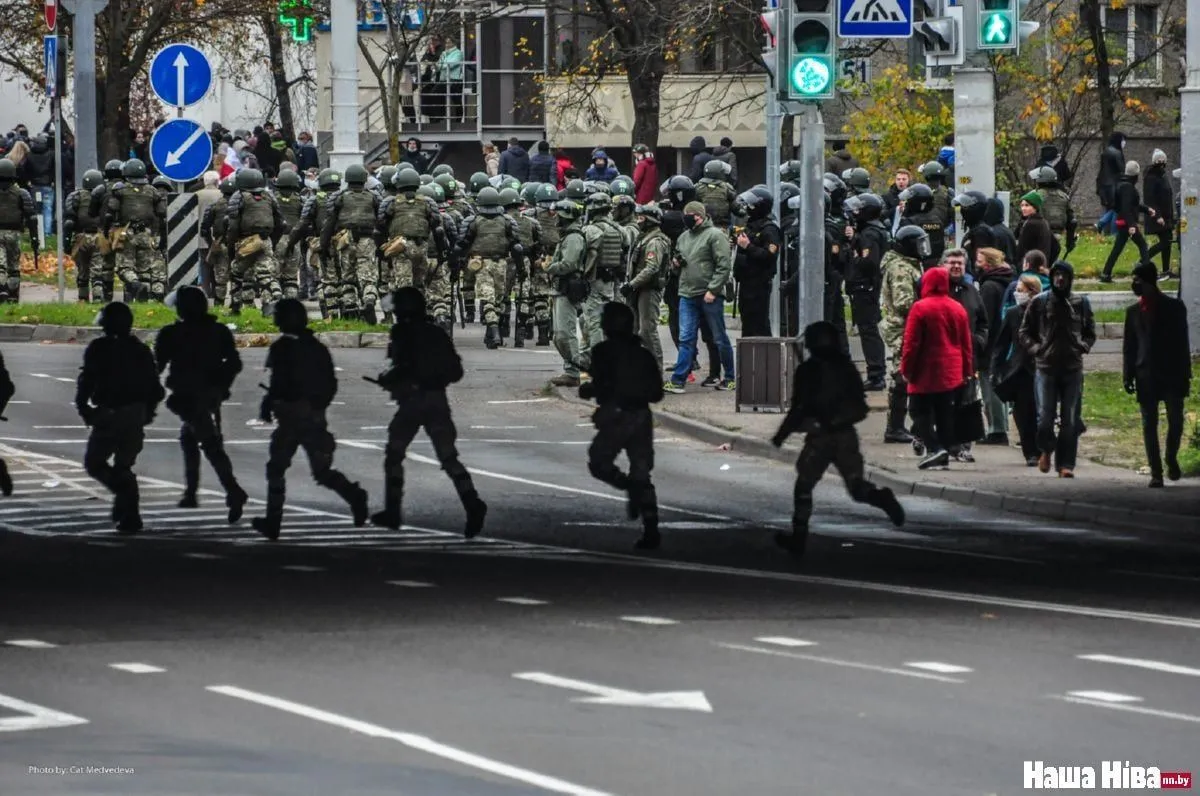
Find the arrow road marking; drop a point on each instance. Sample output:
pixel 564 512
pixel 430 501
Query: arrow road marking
pixel 37 718
pixel 603 695
pixel 181 65
pixel 175 156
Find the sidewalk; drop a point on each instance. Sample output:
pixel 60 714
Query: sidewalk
pixel 999 479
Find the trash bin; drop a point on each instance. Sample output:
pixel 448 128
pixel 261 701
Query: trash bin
pixel 765 367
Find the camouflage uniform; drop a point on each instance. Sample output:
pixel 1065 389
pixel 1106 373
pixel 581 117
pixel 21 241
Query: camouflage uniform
pixel 530 234
pixel 212 229
pixel 652 258
pixel 413 219
pixel 541 287
pixel 439 283
pixel 288 258
pixel 567 264
pixel 313 214
pixel 898 292
pixel 466 213
pixel 349 236
pixel 16 213
pixel 487 244
pixel 134 221
pixel 80 229
pixel 254 214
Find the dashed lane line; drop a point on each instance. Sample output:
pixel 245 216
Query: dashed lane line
pixel 657 621
pixel 868 667
pixel 784 641
pixel 136 668
pixel 1143 663
pixel 1144 711
pixel 30 644
pixel 521 601
pixel 939 667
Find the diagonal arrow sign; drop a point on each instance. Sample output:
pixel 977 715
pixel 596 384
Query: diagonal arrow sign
pixel 36 717
pixel 603 695
pixel 176 155
pixel 181 64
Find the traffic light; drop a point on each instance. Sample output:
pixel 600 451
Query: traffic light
pixel 812 50
pixel 940 34
pixel 998 25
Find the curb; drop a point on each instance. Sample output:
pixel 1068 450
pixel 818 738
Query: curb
pixel 80 335
pixel 1047 508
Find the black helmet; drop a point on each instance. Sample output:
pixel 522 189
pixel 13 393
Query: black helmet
pixel 329 179
pixel 933 171
pixel 8 170
pixel 787 192
pixel 913 242
pixel 92 179
pixel 973 205
pixel 406 180
pixel 288 180
pixel 356 174
pixel 864 207
pixel 680 190
pixel 616 320
pixel 112 169
pixel 228 187
pixel 755 203
pixel 651 212
pixel 791 170
pixel 116 318
pixel 857 179
pixel 133 169
pixel 821 338
pixel 290 316
pixel 408 303
pixel 917 198
pixel 190 303
pixel 835 190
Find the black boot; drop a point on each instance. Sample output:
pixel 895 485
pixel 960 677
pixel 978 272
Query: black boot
pixel 491 337
pixel 505 325
pixel 6 482
pixel 519 339
pixel 369 314
pixel 543 332
pixel 236 502
pixel 651 540
pixel 360 506
pixel 188 501
pixel 886 499
pixel 388 518
pixel 794 542
pixel 268 526
pixel 476 513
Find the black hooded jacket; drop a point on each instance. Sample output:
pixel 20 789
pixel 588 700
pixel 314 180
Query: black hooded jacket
pixel 1112 169
pixel 1002 236
pixel 1158 195
pixel 542 166
pixel 1058 329
pixel 700 157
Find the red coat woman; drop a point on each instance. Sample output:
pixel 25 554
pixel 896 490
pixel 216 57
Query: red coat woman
pixel 936 355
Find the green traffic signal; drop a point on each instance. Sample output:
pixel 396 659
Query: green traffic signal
pixel 997 29
pixel 811 76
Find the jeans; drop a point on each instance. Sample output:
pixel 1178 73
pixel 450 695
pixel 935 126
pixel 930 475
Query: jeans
pixel 1107 221
pixel 46 192
pixel 1058 395
pixel 691 311
pixel 1150 430
pixel 1123 236
pixel 933 419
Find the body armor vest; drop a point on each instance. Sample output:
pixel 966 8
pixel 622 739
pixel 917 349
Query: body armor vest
pixel 714 195
pixel 219 219
pixel 410 218
pixel 137 204
pixel 931 222
pixel 610 258
pixel 257 215
pixel 357 212
pixel 491 237
pixel 84 220
pixel 290 206
pixel 1056 208
pixel 525 226
pixel 11 211
pixel 549 229
pixel 941 205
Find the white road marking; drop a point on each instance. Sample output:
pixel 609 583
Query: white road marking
pixel 1104 696
pixel 411 584
pixel 649 620
pixel 577 425
pixel 522 401
pixel 603 695
pixel 302 568
pixel 202 556
pixel 42 375
pixel 521 601
pixel 63 378
pixel 868 667
pixel 945 551
pixel 939 667
pixel 59 428
pixel 31 643
pixel 1161 714
pixel 10 403
pixel 36 718
pixel 417 742
pixel 136 668
pixel 1143 663
pixel 784 641
pixel 501 428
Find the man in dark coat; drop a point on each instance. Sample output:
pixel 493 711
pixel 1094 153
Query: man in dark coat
pixel 514 160
pixel 1112 169
pixel 543 167
pixel 1159 196
pixel 1157 366
pixel 700 157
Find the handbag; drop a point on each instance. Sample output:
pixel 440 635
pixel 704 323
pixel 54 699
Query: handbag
pixel 968 413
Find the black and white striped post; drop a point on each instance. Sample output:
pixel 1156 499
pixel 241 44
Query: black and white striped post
pixel 183 241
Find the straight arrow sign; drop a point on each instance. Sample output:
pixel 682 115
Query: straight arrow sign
pixel 603 695
pixel 36 717
pixel 181 64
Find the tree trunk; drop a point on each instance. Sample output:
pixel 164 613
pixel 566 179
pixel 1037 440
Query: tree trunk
pixel 1089 13
pixel 112 116
pixel 283 91
pixel 645 90
pixel 393 114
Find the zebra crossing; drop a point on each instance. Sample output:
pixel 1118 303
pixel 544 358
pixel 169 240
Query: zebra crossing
pixel 54 497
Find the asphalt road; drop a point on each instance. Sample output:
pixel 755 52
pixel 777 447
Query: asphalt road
pixel 933 659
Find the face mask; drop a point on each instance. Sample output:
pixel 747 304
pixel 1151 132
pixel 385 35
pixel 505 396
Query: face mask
pixel 1138 288
pixel 1022 298
pixel 691 222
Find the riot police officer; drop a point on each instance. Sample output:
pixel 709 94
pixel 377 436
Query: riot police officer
pixel 977 233
pixel 134 221
pixel 566 272
pixel 349 236
pixel 756 258
pixel 489 240
pixel 108 258
pixel 869 243
pixel 935 174
pixel 212 229
pixel 16 213
pixel 79 231
pixel 837 256
pixel 1056 206
pixel 291 204
pixel 407 223
pixel 609 249
pixel 919 211
pixel 313 215
pixel 541 285
pixel 901 272
pixel 643 291
pixel 253 224
pixel 529 232
pixel 858 181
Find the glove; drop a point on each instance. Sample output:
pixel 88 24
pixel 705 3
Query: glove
pixel 264 410
pixel 626 290
pixel 1130 387
pixel 587 391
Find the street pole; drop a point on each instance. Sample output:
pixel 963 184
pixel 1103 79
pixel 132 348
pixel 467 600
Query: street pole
pixel 974 118
pixel 83 13
pixel 1189 246
pixel 343 31
pixel 774 132
pixel 811 281
pixel 58 198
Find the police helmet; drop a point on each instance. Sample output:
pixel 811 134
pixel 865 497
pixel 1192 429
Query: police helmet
pixel 191 303
pixel 8 170
pixel 112 169
pixel 228 186
pixel 290 315
pixel 790 171
pixel 356 174
pixel 913 242
pixel 431 191
pixel 681 190
pixel 1043 175
pixel 917 198
pixel 163 184
pixel 616 320
pixel 408 303
pixel 650 212
pixel 857 179
pixel 116 318
pixel 406 180
pixel 133 169
pixel 576 189
pixel 477 183
pixel 624 206
pixel 386 174
pixel 598 203
pixel 546 195
pixel 755 203
pixel 405 166
pixel 597 186
pixel 288 181
pixel 249 180
pixel 443 168
pixel 425 179
pixel 529 193
pixel 92 179
pixel 509 181
pixel 446 182
pixel 329 179
pixel 973 205
pixel 510 198
pixel 621 186
pixel 933 171
pixel 488 197
pixel 568 209
pixel 787 192
pixel 717 169
pixel 864 207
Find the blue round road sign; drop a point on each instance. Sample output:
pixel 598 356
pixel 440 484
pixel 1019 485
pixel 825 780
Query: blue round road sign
pixel 181 150
pixel 180 75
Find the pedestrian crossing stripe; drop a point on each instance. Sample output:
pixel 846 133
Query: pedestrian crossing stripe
pixel 183 240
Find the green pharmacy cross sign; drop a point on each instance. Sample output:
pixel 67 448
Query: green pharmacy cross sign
pixel 297 15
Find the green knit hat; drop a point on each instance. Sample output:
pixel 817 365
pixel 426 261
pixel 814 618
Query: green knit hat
pixel 1034 198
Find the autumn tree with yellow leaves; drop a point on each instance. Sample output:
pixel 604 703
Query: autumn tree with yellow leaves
pixel 896 121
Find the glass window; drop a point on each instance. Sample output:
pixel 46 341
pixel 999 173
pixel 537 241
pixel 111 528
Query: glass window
pixel 1145 41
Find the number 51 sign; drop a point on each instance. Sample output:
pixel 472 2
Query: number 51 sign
pixel 855 70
